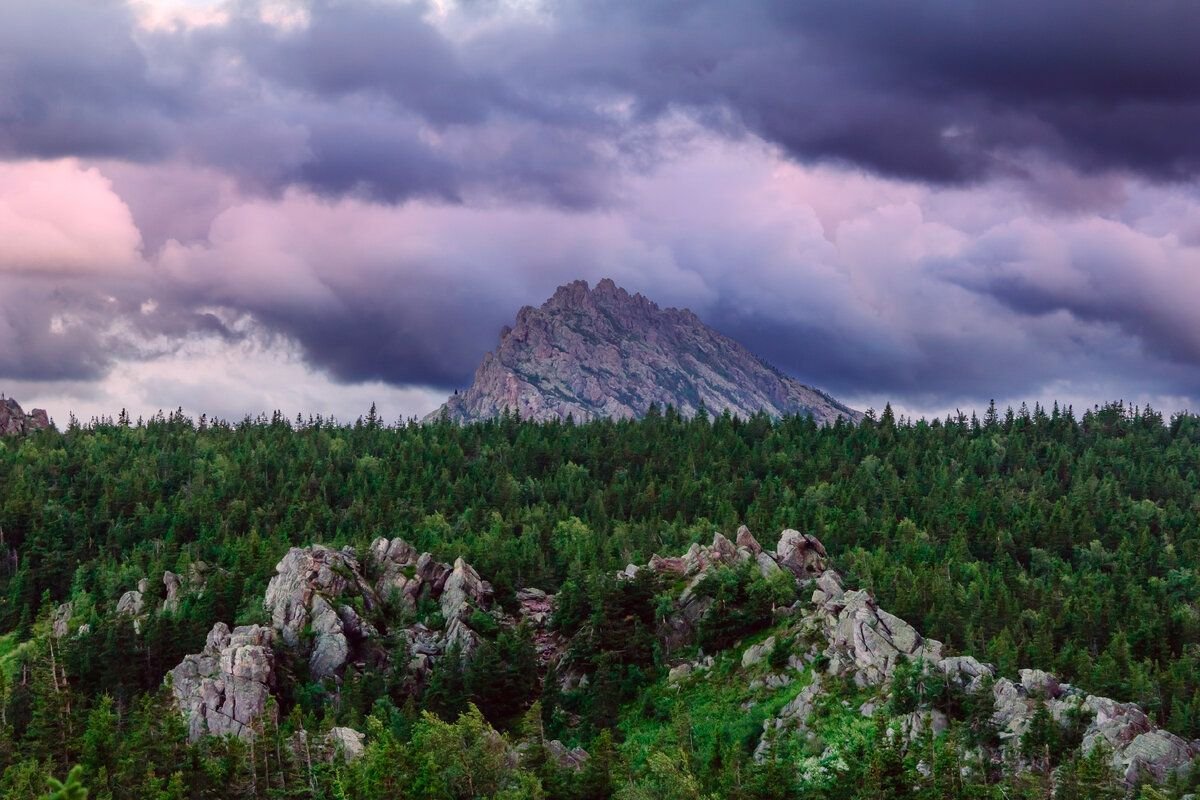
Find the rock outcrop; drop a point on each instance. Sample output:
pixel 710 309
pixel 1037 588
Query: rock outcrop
pixel 224 689
pixel 329 610
pixel 604 353
pixel 15 422
pixel 864 643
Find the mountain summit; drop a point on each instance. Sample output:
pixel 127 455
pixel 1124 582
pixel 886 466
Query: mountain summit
pixel 603 352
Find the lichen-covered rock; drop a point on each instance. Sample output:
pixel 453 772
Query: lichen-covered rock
pixel 573 759
pixel 793 715
pixel 224 689
pixel 463 591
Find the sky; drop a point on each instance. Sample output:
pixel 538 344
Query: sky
pixel 237 206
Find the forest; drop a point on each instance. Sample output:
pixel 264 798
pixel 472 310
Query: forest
pixel 1027 538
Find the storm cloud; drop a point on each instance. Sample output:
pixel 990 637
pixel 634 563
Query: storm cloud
pixel 934 203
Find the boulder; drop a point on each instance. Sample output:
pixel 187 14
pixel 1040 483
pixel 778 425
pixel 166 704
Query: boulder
pixel 868 642
pixel 345 743
pixel 746 539
pixel 758 653
pixel 1040 684
pixel 573 759
pixel 793 715
pixel 802 554
pixel 224 689
pixel 131 603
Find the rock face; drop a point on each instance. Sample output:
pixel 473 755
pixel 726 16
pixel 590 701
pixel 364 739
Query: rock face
pixel 224 689
pixel 308 594
pixel 14 421
pixel 603 353
pixel 329 610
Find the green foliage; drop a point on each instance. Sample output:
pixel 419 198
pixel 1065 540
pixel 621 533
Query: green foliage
pixel 70 789
pixel 1031 538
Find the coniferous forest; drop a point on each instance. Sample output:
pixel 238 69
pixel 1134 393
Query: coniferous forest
pixel 1027 538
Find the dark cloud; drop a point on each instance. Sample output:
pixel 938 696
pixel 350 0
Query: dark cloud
pixel 535 134
pixel 947 91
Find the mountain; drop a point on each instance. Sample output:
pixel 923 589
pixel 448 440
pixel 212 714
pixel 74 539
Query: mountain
pixel 14 420
pixel 603 352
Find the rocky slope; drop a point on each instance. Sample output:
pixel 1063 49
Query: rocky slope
pixel 14 421
pixel 328 610
pixel 602 352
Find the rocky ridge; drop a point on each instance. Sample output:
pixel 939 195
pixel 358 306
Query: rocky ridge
pixel 15 422
pixel 329 610
pixel 604 353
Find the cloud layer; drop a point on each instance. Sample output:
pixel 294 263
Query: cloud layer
pixel 932 203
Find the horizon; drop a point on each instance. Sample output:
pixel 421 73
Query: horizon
pixel 241 206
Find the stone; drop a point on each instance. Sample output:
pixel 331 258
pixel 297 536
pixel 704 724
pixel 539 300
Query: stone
pixel 803 555
pixel 678 673
pixel 723 550
pixel 1039 683
pixel 15 422
pixel 674 566
pixel 746 539
pixel 766 565
pixel 224 689
pixel 172 584
pixel 758 653
pixel 463 591
pixel 913 724
pixel 131 603
pixel 346 743
pixel 307 593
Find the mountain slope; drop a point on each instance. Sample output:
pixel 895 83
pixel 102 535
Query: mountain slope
pixel 603 352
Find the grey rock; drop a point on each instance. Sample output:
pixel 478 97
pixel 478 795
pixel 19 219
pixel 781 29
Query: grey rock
pixel 172 583
pixel 803 555
pixel 61 625
pixel 1039 683
pixel 131 603
pixel 15 422
pixel 746 539
pixel 758 653
pixel 345 743
pixel 603 353
pixel 225 688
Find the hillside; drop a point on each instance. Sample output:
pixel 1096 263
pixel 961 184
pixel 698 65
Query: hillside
pixel 339 598
pixel 604 353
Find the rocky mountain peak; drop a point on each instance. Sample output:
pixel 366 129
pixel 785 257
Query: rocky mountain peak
pixel 14 421
pixel 602 352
